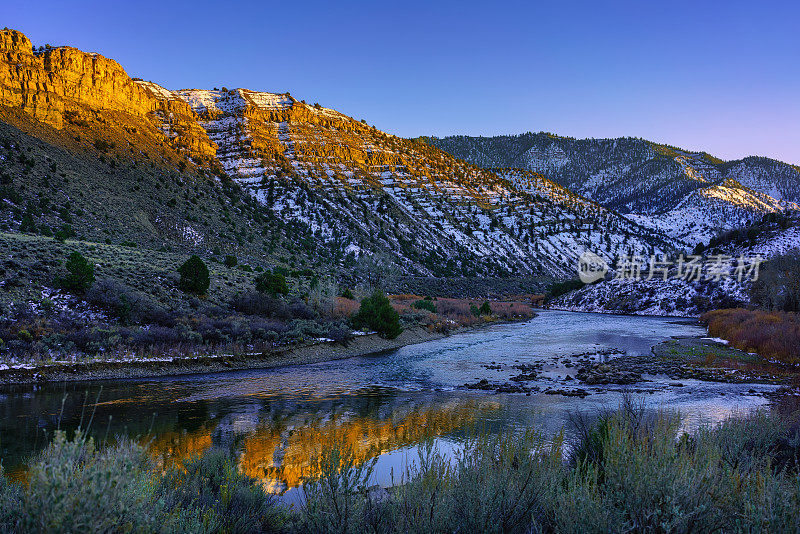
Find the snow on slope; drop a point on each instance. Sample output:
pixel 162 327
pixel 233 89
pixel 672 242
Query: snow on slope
pixel 354 185
pixel 707 211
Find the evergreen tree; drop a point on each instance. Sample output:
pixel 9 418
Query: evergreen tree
pixel 376 313
pixel 194 276
pixel 272 283
pixel 80 274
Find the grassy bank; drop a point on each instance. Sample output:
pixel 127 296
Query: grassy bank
pixel 628 471
pixel 774 334
pixel 132 306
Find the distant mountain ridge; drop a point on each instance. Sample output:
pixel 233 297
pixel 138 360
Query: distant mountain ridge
pixel 616 171
pixel 653 184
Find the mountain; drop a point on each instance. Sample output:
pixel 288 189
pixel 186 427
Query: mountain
pixel 271 179
pixel 690 196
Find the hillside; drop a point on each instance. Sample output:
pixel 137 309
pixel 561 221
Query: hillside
pixel 267 177
pixel 656 185
pixel 117 163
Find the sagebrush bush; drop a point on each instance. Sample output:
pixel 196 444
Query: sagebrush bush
pixel 73 487
pixel 212 486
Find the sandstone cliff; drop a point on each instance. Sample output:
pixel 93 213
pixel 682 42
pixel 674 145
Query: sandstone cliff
pixel 65 85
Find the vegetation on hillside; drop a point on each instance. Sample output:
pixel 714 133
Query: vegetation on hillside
pixel 778 284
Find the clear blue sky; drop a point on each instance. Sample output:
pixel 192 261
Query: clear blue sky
pixel 718 76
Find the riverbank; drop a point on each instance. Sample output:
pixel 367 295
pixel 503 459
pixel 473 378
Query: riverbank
pixel 364 345
pixel 691 358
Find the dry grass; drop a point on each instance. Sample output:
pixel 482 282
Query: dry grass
pixel 448 310
pixel 774 335
pixel 345 307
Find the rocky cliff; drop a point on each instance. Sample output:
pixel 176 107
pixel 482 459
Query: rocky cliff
pixel 66 85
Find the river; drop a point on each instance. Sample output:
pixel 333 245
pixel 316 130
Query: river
pixel 382 405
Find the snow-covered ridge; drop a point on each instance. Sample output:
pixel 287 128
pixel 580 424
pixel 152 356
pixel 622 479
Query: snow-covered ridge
pixel 689 196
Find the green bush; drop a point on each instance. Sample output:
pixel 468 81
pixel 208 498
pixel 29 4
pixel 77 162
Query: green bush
pixel 231 261
pixel 484 309
pixel 271 283
pixel 80 274
pixel 425 305
pixel 376 313
pixel 72 487
pixel 347 294
pixel 195 277
pixel 28 225
pixel 65 232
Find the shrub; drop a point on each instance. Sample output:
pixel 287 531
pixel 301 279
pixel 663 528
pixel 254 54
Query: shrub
pixel 129 306
pixel 376 313
pixel 425 305
pixel 770 334
pixel 485 308
pixel 778 284
pixel 80 274
pixel 271 283
pixel 65 232
pixel 212 486
pixel 72 487
pixel 194 276
pixel 254 303
pixel 231 261
pixel 28 225
pixel 102 145
pixel 347 294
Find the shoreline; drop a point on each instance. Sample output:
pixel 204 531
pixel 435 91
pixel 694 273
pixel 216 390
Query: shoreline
pixel 691 318
pixel 302 354
pixel 364 345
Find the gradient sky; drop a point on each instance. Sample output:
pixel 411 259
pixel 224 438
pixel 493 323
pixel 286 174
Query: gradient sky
pixel 723 77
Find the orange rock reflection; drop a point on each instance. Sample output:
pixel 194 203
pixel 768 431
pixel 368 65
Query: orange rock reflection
pixel 281 455
pixel 280 452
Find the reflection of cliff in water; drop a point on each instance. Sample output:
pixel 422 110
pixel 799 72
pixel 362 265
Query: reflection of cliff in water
pixel 277 442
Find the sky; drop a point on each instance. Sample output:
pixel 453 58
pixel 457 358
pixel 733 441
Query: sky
pixel 723 77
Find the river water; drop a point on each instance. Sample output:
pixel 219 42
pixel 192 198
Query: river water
pixel 381 405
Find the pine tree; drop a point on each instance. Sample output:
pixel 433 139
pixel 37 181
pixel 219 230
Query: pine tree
pixel 376 313
pixel 195 277
pixel 80 274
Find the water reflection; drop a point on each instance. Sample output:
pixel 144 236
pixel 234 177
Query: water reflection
pixel 276 421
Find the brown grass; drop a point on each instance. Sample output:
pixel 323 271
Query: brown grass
pixel 774 335
pixel 345 307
